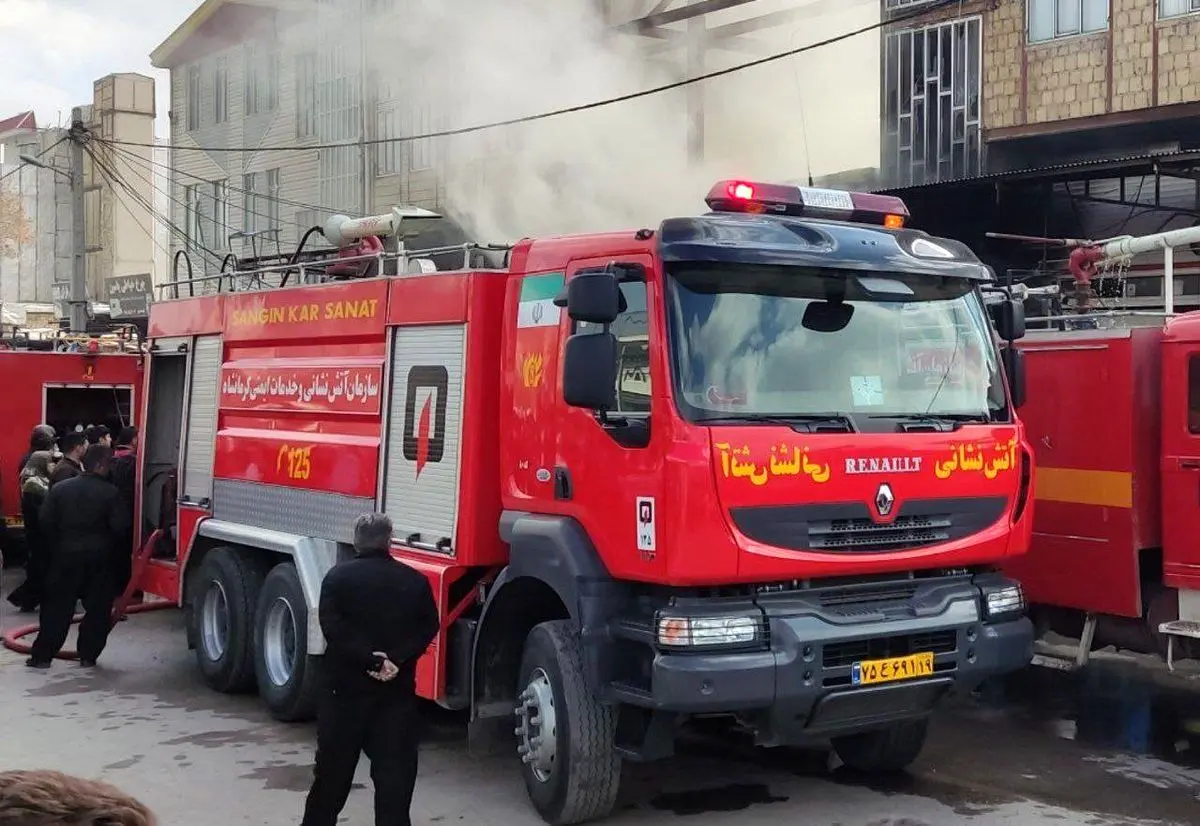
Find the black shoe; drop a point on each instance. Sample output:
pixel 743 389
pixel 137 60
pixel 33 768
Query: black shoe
pixel 39 664
pixel 87 663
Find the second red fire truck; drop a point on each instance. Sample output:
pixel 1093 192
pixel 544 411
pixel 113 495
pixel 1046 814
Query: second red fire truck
pixel 762 463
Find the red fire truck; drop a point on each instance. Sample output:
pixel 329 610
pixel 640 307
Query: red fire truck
pixel 74 384
pixel 759 464
pixel 1114 419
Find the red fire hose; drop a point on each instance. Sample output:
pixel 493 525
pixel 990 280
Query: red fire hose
pixel 12 639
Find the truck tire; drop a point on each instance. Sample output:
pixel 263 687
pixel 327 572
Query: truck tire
pixel 287 676
pixel 565 736
pixel 886 751
pixel 224 596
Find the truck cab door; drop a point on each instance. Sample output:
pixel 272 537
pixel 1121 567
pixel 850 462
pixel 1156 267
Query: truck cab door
pixel 609 477
pixel 1181 462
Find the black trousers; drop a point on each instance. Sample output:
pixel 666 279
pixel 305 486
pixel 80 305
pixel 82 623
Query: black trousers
pixel 87 578
pixel 28 595
pixel 384 726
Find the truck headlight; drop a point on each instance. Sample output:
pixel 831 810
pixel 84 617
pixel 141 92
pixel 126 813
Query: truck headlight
pixel 1003 600
pixel 704 632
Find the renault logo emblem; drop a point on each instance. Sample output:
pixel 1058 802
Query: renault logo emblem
pixel 884 499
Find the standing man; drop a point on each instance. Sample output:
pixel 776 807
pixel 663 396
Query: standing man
pixel 124 476
pixel 81 521
pixel 378 616
pixel 73 446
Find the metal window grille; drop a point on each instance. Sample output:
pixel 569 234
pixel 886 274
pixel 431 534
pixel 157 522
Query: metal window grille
pixel 250 222
pixel 339 119
pixel 387 127
pixel 932 90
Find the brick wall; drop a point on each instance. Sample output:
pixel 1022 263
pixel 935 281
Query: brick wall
pixel 1138 63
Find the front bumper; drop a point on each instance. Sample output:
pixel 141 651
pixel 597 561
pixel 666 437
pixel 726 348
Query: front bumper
pixel 802 688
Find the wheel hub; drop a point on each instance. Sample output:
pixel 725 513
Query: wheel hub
pixel 214 621
pixel 279 642
pixel 537 741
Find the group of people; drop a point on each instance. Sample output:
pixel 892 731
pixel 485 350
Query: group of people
pixel 77 496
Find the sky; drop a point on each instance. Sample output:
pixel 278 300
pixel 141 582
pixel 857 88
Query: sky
pixel 54 49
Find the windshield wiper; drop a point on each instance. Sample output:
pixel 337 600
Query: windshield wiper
pixel 955 420
pixel 809 421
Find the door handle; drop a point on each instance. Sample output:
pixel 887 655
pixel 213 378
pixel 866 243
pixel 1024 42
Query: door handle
pixel 1189 464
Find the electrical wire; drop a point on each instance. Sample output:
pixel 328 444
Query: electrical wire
pixel 895 19
pixel 131 158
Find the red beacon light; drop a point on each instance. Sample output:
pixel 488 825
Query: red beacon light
pixel 811 202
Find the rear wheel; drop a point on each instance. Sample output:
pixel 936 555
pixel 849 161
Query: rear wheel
pixel 886 751
pixel 287 676
pixel 564 735
pixel 225 592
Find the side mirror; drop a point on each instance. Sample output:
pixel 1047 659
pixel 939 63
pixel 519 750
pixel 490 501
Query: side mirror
pixel 1014 367
pixel 1009 316
pixel 590 371
pixel 594 297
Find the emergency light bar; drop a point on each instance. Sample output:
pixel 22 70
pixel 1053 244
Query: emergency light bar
pixel 786 199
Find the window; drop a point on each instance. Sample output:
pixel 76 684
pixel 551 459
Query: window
pixel 191 216
pixel 904 4
pixel 1049 19
pixel 250 219
pixel 420 152
pixel 306 95
pixel 218 233
pixel 221 90
pixel 387 128
pixel 1194 394
pixel 260 201
pixel 633 349
pixel 931 101
pixel 1177 8
pixel 262 79
pixel 193 97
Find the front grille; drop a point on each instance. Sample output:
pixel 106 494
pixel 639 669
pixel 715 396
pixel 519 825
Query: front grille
pixel 899 592
pixel 841 654
pixel 867 535
pixel 850 527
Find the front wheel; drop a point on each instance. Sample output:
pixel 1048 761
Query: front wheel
pixel 287 676
pixel 886 751
pixel 564 735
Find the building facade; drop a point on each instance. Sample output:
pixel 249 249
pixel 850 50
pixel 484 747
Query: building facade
pixel 297 76
pixel 1086 123
pixel 36 233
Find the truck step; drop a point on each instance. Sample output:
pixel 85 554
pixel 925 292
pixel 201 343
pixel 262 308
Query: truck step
pixel 1181 628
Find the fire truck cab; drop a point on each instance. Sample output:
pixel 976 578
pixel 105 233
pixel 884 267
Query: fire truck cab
pixel 759 464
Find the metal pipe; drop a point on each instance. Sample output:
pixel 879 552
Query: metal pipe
pixel 1169 280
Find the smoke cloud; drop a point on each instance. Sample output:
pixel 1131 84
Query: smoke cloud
pixel 626 165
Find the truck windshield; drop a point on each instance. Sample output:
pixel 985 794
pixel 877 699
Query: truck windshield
pixel 752 341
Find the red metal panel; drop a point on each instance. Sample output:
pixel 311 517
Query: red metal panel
pixel 330 311
pixel 1180 463
pixel 23 375
pixel 187 316
pixel 1091 418
pixel 314 461
pixel 281 386
pixel 431 299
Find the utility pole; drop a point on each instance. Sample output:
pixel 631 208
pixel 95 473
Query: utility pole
pixel 78 296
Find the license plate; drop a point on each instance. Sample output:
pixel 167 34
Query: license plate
pixel 869 672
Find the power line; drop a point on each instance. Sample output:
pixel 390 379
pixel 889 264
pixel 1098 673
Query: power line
pixel 127 154
pixel 895 19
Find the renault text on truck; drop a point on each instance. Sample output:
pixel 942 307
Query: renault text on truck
pixel 761 464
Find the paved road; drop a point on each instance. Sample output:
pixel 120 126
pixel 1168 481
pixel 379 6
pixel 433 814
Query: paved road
pixel 144 721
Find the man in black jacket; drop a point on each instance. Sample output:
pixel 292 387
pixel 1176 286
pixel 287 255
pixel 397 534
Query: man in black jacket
pixel 378 616
pixel 72 446
pixel 81 521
